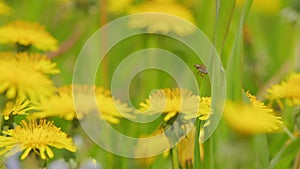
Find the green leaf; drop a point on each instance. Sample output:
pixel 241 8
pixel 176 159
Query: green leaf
pixel 285 155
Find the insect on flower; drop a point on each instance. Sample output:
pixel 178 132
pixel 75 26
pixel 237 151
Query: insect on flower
pixel 201 69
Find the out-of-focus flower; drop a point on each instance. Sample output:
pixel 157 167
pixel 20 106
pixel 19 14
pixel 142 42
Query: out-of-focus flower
pixel 263 6
pixel 171 102
pixel 186 150
pixel 117 7
pixel 35 137
pixel 39 62
pixel 23 76
pixel 19 107
pixel 155 23
pixel 112 109
pixel 153 144
pixel 251 118
pixel 27 34
pixel 4 8
pixel 62 104
pixel 288 90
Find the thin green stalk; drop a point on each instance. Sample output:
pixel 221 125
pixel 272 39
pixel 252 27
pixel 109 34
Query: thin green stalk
pixel 197 156
pixel 197 159
pixel 289 133
pixel 174 158
pixel 209 153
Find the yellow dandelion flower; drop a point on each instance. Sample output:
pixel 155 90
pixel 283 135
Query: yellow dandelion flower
pixel 161 23
pixel 286 90
pixel 112 109
pixel 26 34
pixel 204 110
pixel 117 7
pixel 37 137
pixel 62 104
pixel 40 62
pixel 170 102
pixel 4 9
pixel 21 77
pixel 19 107
pixel 263 6
pixel 251 118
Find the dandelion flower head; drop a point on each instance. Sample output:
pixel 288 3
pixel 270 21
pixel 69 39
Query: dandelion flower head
pixel 155 23
pixel 19 107
pixel 24 76
pixel 171 102
pixel 38 137
pixel 251 118
pixel 288 90
pixel 26 34
pixel 63 104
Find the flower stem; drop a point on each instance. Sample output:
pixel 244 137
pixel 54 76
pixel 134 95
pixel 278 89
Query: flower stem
pixel 174 158
pixel 209 153
pixel 289 133
pixel 197 160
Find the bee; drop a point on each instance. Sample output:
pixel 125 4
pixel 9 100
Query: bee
pixel 201 69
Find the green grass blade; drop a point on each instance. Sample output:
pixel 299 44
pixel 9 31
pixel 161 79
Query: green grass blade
pixel 234 65
pixel 262 150
pixel 225 10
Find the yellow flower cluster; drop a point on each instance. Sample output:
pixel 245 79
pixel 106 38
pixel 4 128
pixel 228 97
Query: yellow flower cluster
pixel 35 137
pixel 25 81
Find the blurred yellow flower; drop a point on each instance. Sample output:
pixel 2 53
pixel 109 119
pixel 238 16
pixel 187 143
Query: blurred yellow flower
pixel 62 104
pixel 26 34
pixel 161 23
pixel 112 109
pixel 251 118
pixel 150 145
pixel 39 62
pixel 24 76
pixel 19 107
pixel 117 7
pixel 4 8
pixel 186 150
pixel 37 137
pixel 288 90
pixel 263 6
pixel 171 102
